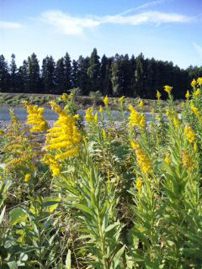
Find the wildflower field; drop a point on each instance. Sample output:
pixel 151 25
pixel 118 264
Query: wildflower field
pixel 94 193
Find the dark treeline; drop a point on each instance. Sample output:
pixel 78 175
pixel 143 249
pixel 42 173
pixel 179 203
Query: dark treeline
pixel 112 76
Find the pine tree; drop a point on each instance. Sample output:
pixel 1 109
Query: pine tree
pixel 60 77
pixel 74 75
pixel 94 71
pixel 67 72
pixel 13 75
pixel 4 75
pixel 33 74
pixel 23 77
pixel 105 76
pixel 140 76
pixel 83 78
pixel 48 74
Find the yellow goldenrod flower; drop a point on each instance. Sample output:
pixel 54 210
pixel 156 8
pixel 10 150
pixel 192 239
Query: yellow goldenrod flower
pixel 141 103
pixel 62 140
pixel 27 178
pixel 89 115
pixel 96 118
pixel 167 159
pixel 36 119
pixel 187 95
pixel 55 107
pixel 52 163
pixel 104 134
pixel 64 97
pixel 195 147
pixel 77 116
pixel 194 83
pixel 189 134
pixel 187 160
pixel 101 109
pixel 168 89
pixel 175 121
pixel 106 100
pixel 195 110
pixel 142 160
pixel 199 81
pixel 139 184
pixel 197 93
pixel 136 119
pixel 158 95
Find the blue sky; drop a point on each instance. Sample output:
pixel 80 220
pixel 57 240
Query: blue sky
pixel 164 29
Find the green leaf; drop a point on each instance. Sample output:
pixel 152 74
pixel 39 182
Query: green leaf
pixel 51 204
pixel 118 256
pixel 68 260
pixel 84 208
pixel 2 214
pixel 12 265
pixel 17 215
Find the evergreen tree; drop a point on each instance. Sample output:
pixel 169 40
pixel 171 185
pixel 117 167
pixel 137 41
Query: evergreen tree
pixel 74 75
pixel 140 76
pixel 60 77
pixel 13 75
pixel 4 75
pixel 83 78
pixel 33 74
pixel 48 74
pixel 23 77
pixel 121 76
pixel 117 89
pixel 94 71
pixel 67 72
pixel 105 76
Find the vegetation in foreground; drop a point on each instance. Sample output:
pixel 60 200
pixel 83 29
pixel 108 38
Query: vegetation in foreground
pixel 103 195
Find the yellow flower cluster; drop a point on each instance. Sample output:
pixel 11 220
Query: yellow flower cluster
pixel 189 134
pixel 90 116
pixel 62 140
pixel 187 95
pixel 52 163
pixel 187 160
pixel 64 136
pixel 158 95
pixel 195 110
pixel 168 89
pixel 106 100
pixel 195 82
pixel 27 178
pixel 167 159
pixel 36 119
pixel 197 93
pixel 55 107
pixel 141 103
pixel 64 97
pixel 142 160
pixel 136 119
pixel 199 81
pixel 139 184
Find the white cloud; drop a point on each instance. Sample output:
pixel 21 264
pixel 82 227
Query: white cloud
pixel 198 49
pixel 67 24
pixel 9 25
pixel 71 25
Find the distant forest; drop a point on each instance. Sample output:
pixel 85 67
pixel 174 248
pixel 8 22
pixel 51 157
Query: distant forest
pixel 112 76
